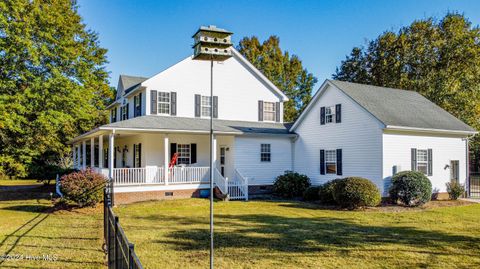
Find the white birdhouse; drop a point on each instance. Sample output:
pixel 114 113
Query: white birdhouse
pixel 212 43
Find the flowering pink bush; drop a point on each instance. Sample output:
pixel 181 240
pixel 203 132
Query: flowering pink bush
pixel 84 188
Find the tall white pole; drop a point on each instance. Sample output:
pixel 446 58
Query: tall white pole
pixel 92 152
pixel 100 152
pixel 211 162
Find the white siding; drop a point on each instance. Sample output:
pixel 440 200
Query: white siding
pixel 247 158
pixel 237 88
pixel 359 135
pixel 397 151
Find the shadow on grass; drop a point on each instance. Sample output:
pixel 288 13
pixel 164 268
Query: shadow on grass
pixel 28 208
pixel 306 235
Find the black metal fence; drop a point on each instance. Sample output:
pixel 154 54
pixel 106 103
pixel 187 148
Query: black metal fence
pixel 120 252
pixel 474 185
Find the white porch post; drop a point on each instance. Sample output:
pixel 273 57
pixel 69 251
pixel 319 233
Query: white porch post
pixel 84 154
pixel 100 152
pixel 74 155
pixel 79 161
pixel 166 147
pixel 111 151
pixel 92 152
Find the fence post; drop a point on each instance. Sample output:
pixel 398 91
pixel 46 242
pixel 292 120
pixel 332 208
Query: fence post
pixel 130 255
pixel 115 243
pixel 111 193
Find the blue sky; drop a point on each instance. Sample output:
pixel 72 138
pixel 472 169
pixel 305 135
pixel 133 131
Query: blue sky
pixel 145 37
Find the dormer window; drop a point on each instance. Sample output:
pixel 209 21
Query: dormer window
pixel 137 105
pixel 164 103
pixel 269 111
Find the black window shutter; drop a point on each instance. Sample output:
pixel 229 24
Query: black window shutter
pixel 414 159
pixel 322 162
pixel 139 148
pixel 197 105
pixel 128 106
pixel 339 162
pixel 173 103
pixel 430 167
pixel 260 110
pixel 193 153
pixel 277 111
pixel 115 114
pixel 215 106
pixel 134 153
pixel 338 113
pixel 173 149
pixel 135 98
pixel 322 115
pixel 139 104
pixel 153 102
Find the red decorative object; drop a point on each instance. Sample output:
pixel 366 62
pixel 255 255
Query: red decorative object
pixel 173 161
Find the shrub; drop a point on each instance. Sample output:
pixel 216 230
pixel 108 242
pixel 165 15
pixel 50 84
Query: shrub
pixel 311 193
pixel 325 192
pixel 412 188
pixel 355 192
pixel 455 190
pixel 85 188
pixel 291 184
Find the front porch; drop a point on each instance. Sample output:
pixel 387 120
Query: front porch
pixel 142 162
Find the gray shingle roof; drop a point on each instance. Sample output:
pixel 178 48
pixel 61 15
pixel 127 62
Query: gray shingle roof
pixel 403 108
pixel 196 124
pixel 129 83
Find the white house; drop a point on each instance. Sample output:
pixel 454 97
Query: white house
pixel 153 118
pixel 352 129
pixel 348 129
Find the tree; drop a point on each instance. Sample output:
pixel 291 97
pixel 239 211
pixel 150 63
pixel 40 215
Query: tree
pixel 53 84
pixel 285 71
pixel 438 59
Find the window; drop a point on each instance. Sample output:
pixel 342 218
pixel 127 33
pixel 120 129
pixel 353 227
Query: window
pixel 124 112
pixel 329 114
pixel 265 153
pixel 206 106
pixel 164 103
pixel 137 106
pixel 268 111
pixel 422 161
pixel 331 161
pixel 183 151
pixel 137 162
pixel 113 114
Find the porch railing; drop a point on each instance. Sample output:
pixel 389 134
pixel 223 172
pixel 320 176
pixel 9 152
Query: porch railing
pixel 184 175
pixel 238 187
pixel 156 175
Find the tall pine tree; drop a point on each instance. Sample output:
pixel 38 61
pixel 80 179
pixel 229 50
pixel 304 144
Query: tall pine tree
pixel 53 83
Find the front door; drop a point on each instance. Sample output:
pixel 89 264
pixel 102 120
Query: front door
pixel 454 171
pixel 222 160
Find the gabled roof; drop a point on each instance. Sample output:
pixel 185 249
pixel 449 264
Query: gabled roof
pixel 183 124
pixel 128 84
pixel 397 109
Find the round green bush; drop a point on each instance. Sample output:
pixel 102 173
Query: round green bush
pixel 325 192
pixel 455 190
pixel 85 188
pixel 291 184
pixel 311 194
pixel 411 188
pixel 355 192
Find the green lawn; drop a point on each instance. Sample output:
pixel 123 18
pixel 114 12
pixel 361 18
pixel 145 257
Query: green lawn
pixel 29 228
pixel 19 182
pixel 273 234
